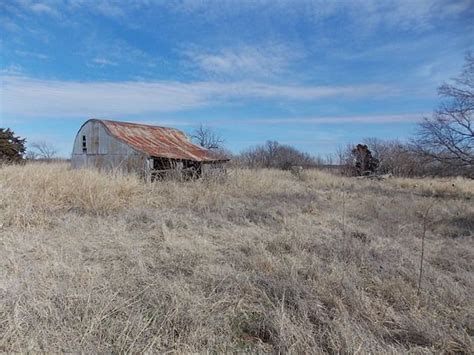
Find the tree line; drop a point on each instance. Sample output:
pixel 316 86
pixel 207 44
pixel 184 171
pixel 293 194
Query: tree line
pixel 443 144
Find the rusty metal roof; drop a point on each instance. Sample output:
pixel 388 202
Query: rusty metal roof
pixel 160 142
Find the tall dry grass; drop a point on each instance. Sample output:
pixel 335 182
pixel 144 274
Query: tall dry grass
pixel 100 262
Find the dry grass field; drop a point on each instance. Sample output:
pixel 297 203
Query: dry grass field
pixel 263 261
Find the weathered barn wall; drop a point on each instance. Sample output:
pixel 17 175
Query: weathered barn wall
pixel 105 151
pixel 148 150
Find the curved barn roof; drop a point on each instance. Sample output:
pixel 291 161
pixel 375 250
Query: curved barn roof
pixel 160 142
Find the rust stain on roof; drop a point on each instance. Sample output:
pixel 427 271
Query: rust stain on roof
pixel 160 142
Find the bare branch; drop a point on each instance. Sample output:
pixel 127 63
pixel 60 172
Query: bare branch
pixel 207 138
pixel 448 137
pixel 43 150
pixel 275 155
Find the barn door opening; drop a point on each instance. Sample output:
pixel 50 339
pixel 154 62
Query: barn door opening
pixel 181 169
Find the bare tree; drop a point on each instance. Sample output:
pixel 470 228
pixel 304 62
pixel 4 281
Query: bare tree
pixel 31 155
pixel 389 154
pixel 329 160
pixel 43 150
pixel 207 138
pixel 345 159
pixel 396 158
pixel 275 155
pixel 448 136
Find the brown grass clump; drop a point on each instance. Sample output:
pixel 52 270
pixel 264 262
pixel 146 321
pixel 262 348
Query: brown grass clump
pixel 96 262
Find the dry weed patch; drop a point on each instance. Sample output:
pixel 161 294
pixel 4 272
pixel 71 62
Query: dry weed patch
pixel 98 262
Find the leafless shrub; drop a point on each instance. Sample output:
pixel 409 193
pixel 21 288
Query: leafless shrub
pixel 392 157
pixel 216 173
pixel 345 159
pixel 42 150
pixel 298 171
pixel 396 158
pixel 275 155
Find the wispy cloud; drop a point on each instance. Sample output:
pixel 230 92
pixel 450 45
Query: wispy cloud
pixel 18 8
pixel 313 120
pixel 49 98
pixel 103 61
pixel 259 60
pixel 43 8
pixel 108 9
pixel 9 25
pixel 364 16
pixel 316 141
pixel 31 54
pixel 419 15
pixel 13 69
pixel 115 52
pixel 342 119
pixel 440 69
pixel 291 121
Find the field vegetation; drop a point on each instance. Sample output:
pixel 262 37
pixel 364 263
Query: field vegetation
pixel 264 260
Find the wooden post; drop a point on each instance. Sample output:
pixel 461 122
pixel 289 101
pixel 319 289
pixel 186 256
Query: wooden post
pixel 148 169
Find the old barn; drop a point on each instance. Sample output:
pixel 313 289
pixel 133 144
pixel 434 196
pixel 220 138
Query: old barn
pixel 148 150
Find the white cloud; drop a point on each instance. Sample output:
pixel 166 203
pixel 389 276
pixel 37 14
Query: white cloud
pixel 13 69
pixel 103 61
pixel 255 60
pixel 115 52
pixel 43 8
pixel 343 119
pixel 315 120
pixel 421 14
pixel 297 92
pixel 23 96
pixel 108 9
pixel 32 54
pixel 361 16
pixel 301 123
pixel 440 69
pixel 9 25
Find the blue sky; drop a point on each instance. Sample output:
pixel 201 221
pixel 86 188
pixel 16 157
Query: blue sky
pixel 314 74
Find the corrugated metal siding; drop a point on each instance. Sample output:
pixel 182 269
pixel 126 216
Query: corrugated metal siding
pixel 94 139
pixel 105 151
